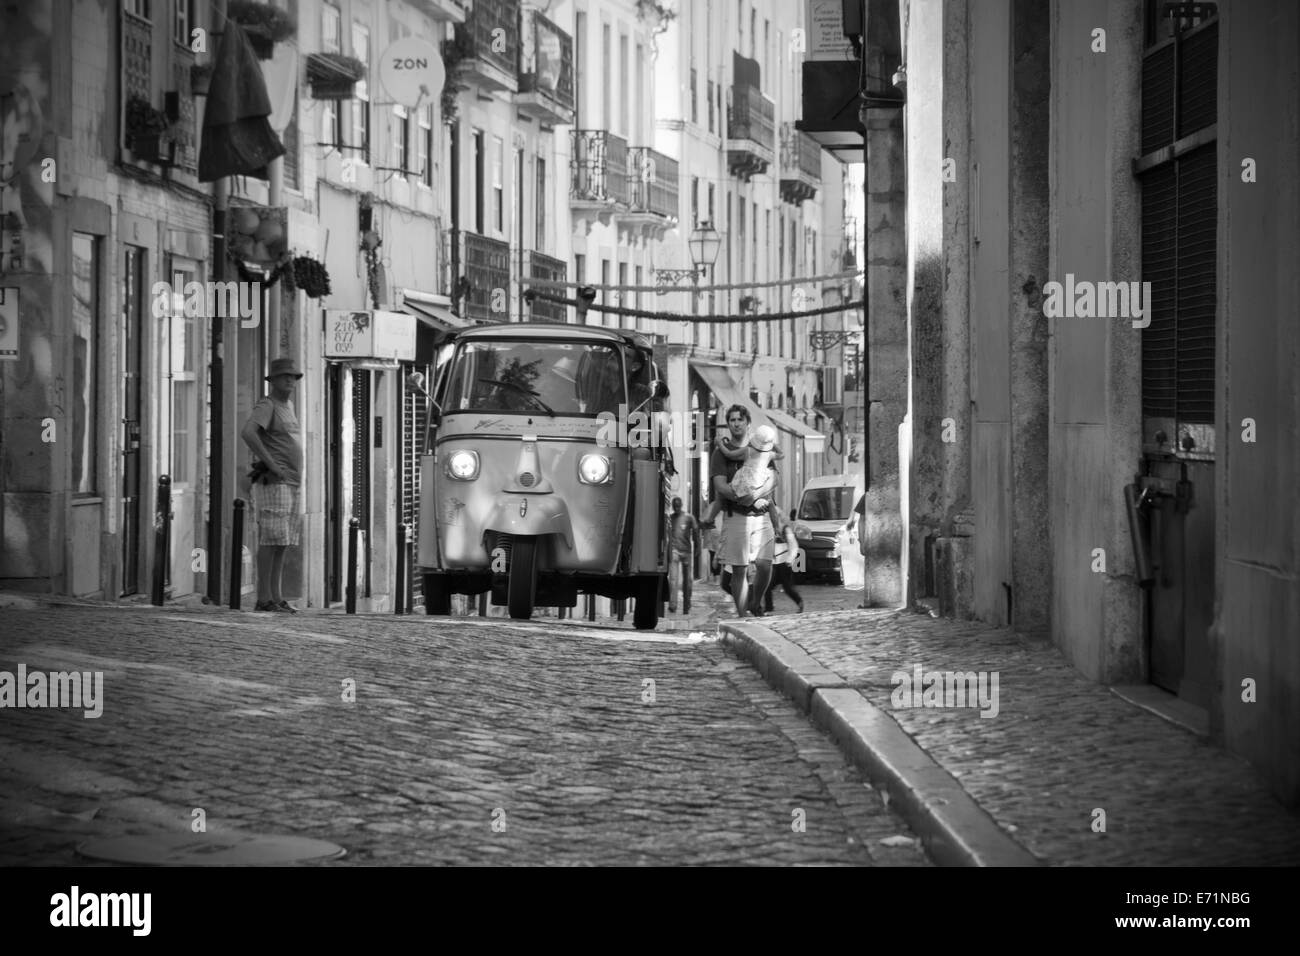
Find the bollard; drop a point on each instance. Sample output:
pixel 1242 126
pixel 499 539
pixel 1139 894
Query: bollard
pixel 591 607
pixel 482 604
pixel 399 587
pixel 162 520
pixel 237 555
pixel 350 605
pixel 620 607
pixel 410 574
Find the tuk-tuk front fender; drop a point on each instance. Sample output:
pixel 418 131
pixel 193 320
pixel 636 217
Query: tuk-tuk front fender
pixel 531 515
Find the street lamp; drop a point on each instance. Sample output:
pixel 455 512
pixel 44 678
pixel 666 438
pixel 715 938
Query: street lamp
pixel 704 245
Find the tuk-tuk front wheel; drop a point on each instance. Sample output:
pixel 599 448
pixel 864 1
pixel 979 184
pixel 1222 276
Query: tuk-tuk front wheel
pixel 645 616
pixel 522 590
pixel 437 596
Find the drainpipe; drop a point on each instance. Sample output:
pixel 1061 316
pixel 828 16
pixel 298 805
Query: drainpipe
pixel 216 378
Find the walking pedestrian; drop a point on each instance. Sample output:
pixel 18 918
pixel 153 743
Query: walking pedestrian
pixel 748 492
pixel 271 433
pixel 786 547
pixel 684 541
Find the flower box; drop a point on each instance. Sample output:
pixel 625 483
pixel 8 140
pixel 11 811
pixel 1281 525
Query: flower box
pixel 333 76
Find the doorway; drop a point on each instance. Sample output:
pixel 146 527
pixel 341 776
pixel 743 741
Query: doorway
pixel 133 329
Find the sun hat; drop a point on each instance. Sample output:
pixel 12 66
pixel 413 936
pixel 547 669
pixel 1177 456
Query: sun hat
pixel 283 366
pixel 763 438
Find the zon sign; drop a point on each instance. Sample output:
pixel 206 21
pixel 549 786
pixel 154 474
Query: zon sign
pixel 370 334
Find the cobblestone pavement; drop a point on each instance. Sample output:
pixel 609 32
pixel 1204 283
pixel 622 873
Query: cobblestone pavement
pixel 456 723
pixel 1060 747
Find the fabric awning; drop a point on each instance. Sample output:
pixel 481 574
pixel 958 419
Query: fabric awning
pixel 813 440
pixel 718 380
pixel 431 309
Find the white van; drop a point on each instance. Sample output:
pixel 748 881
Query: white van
pixel 824 507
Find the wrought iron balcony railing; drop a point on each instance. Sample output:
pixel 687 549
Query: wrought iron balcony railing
pixel 491 35
pixel 751 130
pixel 801 162
pixel 598 167
pixel 486 264
pixel 655 182
pixel 542 266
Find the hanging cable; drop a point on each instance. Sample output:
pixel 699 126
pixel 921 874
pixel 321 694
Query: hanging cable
pixel 566 284
pixel 714 319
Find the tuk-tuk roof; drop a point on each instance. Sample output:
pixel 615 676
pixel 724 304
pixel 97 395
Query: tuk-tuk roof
pixel 552 330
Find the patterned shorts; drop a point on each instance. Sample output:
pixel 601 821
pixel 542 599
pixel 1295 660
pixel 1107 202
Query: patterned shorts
pixel 746 539
pixel 276 506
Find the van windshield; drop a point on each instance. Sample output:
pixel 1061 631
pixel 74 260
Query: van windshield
pixel 527 377
pixel 827 504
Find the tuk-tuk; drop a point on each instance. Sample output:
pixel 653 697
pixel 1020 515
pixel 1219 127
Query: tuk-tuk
pixel 544 471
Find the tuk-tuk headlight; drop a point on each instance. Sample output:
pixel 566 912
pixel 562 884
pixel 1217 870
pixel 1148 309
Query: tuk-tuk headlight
pixel 462 465
pixel 802 532
pixel 594 470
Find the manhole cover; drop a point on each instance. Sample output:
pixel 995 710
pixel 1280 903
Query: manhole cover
pixel 201 849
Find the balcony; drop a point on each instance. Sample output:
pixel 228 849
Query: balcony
pixel 441 11
pixel 653 186
pixel 751 131
pixel 598 183
pixel 486 48
pixel 801 165
pixel 486 264
pixel 542 266
pixel 545 71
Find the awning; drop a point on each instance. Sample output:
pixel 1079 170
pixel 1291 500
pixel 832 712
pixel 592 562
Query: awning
pixel 814 441
pixel 718 380
pixel 432 310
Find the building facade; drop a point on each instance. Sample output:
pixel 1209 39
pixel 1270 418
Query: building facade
pixel 1103 345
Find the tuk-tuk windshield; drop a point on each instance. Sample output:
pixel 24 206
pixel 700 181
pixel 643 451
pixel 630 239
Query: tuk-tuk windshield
pixel 536 376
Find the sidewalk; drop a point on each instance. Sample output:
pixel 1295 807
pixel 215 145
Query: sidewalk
pixel 1024 786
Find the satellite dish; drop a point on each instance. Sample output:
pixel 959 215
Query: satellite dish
pixel 411 72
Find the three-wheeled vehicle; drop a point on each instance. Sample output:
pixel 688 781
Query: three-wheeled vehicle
pixel 545 471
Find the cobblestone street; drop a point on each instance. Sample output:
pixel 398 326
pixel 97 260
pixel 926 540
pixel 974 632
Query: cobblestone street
pixel 544 728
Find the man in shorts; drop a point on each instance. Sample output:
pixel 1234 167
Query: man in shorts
pixel 271 433
pixel 748 539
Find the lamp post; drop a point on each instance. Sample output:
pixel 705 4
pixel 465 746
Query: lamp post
pixel 703 244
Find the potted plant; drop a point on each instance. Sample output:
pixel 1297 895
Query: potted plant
pixel 311 276
pixel 147 132
pixel 200 78
pixel 265 24
pixel 333 76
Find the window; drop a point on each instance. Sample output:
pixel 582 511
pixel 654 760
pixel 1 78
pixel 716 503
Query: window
pixel 185 334
pixel 580 68
pixel 740 246
pixel 605 297
pixel 767 51
pixel 361 98
pixel 424 148
pixel 640 114
pixel 753 243
pixel 695 99
pixel 580 269
pixel 480 190
pixel 709 87
pixel 138 8
pixel 330 39
pixel 753 34
pixel 85 363
pixel 624 88
pixel 607 77
pixel 636 297
pixel 182 21
pixel 401 139
pixel 695 201
pixel 498 183
pixel 710 203
pixel 541 204
pixel 623 321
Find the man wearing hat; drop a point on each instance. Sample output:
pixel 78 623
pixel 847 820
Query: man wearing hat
pixel 271 432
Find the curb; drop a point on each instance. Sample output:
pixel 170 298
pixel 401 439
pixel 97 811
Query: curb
pixel 953 827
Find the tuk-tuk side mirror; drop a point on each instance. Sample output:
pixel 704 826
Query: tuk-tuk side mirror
pixel 659 389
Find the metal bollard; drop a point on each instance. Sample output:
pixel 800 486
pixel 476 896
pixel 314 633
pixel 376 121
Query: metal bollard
pixel 591 607
pixel 162 521
pixel 482 604
pixel 350 604
pixel 620 607
pixel 399 587
pixel 237 555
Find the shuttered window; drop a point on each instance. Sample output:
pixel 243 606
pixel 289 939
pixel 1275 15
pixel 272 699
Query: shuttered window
pixel 1177 172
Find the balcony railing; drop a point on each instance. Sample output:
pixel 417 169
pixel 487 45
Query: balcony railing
pixel 545 70
pixel 492 24
pixel 598 167
pixel 541 266
pixel 487 267
pixel 751 130
pixel 801 165
pixel 655 182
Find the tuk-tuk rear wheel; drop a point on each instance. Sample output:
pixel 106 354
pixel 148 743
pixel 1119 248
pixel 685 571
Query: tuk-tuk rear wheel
pixel 522 591
pixel 437 598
